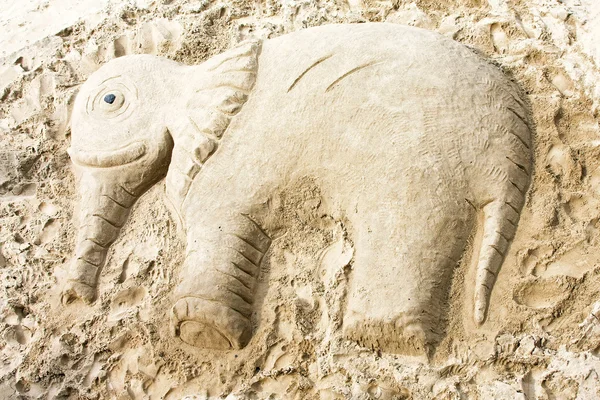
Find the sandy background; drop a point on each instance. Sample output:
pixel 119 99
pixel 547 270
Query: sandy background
pixel 542 337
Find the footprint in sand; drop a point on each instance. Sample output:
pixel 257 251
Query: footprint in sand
pixel 48 232
pixel 278 358
pixel 19 330
pixel 156 37
pixel 550 275
pixel 560 162
pixel 499 37
pixel 17 335
pixel 581 258
pixel 125 303
pixel 534 258
pixel 542 293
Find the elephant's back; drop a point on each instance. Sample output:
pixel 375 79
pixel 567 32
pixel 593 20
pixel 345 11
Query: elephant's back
pixel 395 80
pixel 356 100
pixel 318 62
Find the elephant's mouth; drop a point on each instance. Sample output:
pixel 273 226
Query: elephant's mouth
pixel 108 158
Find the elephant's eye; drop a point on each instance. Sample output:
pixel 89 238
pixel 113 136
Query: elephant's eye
pixel 115 98
pixel 110 98
pixel 112 101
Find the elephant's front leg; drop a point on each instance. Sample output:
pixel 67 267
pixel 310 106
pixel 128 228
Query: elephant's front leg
pixel 214 298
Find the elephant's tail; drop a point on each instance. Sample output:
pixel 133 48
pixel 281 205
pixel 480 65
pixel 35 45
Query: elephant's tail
pixel 499 226
pixel 513 132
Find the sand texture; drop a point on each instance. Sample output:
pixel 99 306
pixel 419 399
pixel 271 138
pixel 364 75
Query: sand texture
pixel 541 335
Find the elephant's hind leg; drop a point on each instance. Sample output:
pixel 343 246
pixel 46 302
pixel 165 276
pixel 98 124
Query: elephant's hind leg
pixel 401 275
pixel 215 295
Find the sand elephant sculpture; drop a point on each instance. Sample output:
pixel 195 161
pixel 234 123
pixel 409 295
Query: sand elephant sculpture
pixel 411 137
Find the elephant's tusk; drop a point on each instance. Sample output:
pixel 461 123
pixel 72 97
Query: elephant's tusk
pixel 108 158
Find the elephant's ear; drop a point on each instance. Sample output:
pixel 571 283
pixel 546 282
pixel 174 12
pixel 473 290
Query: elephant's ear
pixel 222 89
pixel 229 79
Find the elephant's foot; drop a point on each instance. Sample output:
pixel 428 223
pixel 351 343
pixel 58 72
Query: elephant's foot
pixel 82 282
pixel 208 324
pixel 215 296
pixel 407 333
pixel 74 290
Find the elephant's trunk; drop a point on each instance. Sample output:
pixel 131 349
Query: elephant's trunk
pixel 110 181
pixel 104 209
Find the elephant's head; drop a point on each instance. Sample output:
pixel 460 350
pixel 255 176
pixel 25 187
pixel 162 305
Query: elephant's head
pixel 136 120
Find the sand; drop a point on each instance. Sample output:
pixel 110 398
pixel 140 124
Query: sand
pixel 542 335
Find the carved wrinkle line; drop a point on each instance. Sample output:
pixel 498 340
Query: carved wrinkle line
pixel 520 139
pixel 243 255
pixel 196 296
pixel 521 167
pixel 82 283
pixel 518 188
pixel 204 131
pixel 89 262
pixel 110 79
pixel 242 297
pixel 116 202
pixel 213 137
pixel 97 243
pixel 497 250
pixel 319 61
pixel 353 70
pixel 245 314
pixel 247 242
pixel 248 274
pixel 128 192
pixel 108 158
pixel 223 61
pixel 242 269
pixel 257 225
pixel 234 277
pixel 185 176
pixel 511 206
pixel 107 221
pixel 250 53
pixel 471 203
pixel 513 95
pixel 512 110
pixel 225 113
pixel 503 236
pixel 190 156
